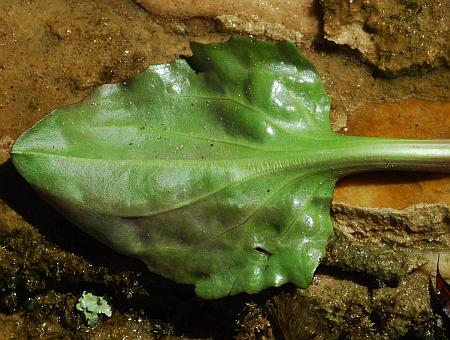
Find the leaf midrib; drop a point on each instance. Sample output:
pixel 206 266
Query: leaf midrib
pixel 308 157
pixel 253 173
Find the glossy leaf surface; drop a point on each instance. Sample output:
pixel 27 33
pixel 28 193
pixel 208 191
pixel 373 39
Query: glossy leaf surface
pixel 217 170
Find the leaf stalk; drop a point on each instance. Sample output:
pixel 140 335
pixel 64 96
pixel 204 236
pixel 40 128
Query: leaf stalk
pixel 370 153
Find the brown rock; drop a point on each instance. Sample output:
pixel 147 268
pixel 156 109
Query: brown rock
pixel 276 19
pixel 394 36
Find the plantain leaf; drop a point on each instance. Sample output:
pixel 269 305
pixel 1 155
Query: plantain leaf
pixel 216 170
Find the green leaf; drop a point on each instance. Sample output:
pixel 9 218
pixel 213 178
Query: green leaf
pixel 217 170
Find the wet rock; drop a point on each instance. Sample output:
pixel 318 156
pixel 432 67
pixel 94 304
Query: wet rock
pixel 423 226
pixel 272 30
pixel 406 310
pixel 390 243
pixel 331 308
pixel 392 35
pixel 381 263
pixel 338 307
pixel 6 143
pixel 53 316
pixel 276 19
pixel 30 264
pixel 254 324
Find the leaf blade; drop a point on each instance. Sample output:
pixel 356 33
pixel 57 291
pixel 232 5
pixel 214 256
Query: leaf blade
pixel 210 177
